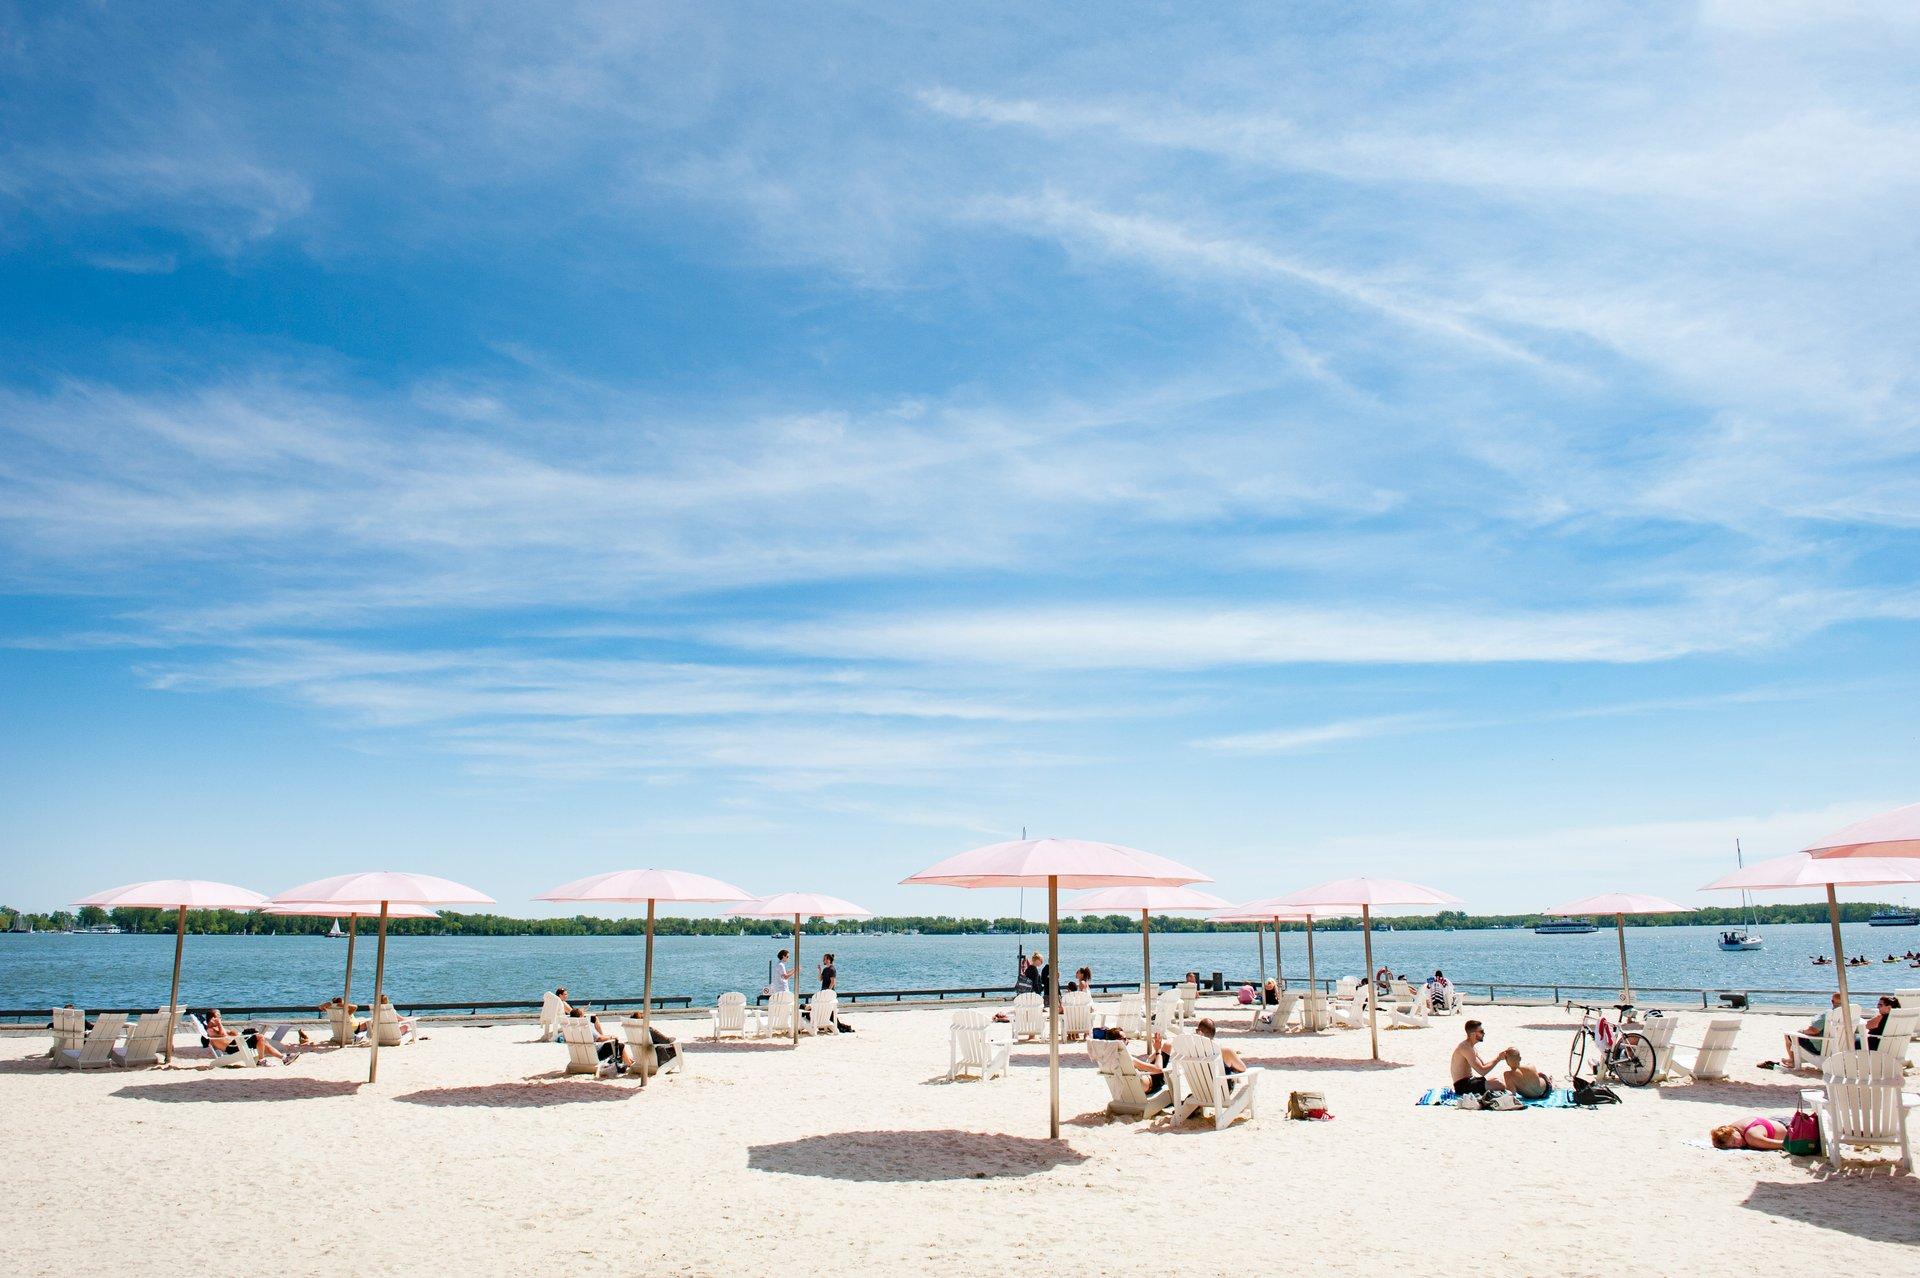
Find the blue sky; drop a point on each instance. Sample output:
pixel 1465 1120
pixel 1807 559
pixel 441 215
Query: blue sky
pixel 1446 441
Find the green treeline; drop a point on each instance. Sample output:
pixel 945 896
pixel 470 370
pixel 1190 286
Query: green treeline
pixel 223 923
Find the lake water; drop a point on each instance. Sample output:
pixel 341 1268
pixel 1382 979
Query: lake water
pixel 96 971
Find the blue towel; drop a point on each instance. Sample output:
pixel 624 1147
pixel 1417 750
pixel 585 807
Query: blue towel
pixel 1558 1098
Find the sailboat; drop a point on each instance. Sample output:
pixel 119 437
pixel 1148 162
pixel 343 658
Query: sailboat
pixel 336 934
pixel 1747 936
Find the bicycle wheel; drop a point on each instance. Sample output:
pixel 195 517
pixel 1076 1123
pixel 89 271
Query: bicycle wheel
pixel 1577 1054
pixel 1632 1060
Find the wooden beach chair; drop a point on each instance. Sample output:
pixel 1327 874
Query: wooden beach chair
pixel 1898 1032
pixel 1710 1060
pixel 645 1049
pixel 583 1051
pixel 972 1050
pixel 1029 1017
pixel 96 1049
pixel 780 1013
pixel 1860 1103
pixel 553 1011
pixel 1166 1013
pixel 821 1010
pixel 340 1022
pixel 69 1034
pixel 1126 1086
pixel 1208 1086
pixel 1076 1014
pixel 1804 1057
pixel 1353 1013
pixel 386 1023
pixel 1410 1011
pixel 1189 999
pixel 730 1016
pixel 1313 1012
pixel 144 1041
pixel 1658 1031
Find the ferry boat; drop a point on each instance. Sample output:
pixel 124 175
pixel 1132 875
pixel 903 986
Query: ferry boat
pixel 1565 927
pixel 1894 917
pixel 1746 937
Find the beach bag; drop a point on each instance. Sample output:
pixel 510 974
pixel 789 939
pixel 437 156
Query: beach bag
pixel 1803 1136
pixel 1593 1094
pixel 1502 1100
pixel 1470 1100
pixel 1306 1105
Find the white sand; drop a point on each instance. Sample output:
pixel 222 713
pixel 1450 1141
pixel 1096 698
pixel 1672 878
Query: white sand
pixel 473 1155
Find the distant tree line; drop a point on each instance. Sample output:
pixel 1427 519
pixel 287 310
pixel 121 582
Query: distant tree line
pixel 229 923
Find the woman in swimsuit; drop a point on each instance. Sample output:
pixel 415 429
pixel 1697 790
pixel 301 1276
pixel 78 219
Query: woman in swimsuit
pixel 1758 1132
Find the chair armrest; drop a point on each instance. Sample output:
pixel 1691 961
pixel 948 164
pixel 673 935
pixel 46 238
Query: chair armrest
pixel 1813 1097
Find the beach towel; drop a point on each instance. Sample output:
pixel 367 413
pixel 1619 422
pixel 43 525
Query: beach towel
pixel 1558 1098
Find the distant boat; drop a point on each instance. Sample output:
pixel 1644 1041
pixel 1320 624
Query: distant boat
pixel 336 934
pixel 21 925
pixel 1566 927
pixel 1892 917
pixel 1747 937
pixel 98 929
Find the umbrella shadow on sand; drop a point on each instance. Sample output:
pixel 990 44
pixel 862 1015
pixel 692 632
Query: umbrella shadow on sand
pixel 531 1094
pixel 1335 1064
pixel 1728 1092
pixel 240 1090
pixel 908 1156
pixel 1874 1202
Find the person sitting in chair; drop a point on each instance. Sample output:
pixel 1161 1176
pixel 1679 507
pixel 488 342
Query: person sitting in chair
pixel 1228 1057
pixel 1877 1022
pixel 1469 1068
pixel 1812 1037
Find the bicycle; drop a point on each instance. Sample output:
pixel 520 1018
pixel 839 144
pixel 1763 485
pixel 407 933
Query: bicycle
pixel 1620 1052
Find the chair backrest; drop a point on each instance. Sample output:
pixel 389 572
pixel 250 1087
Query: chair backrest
pixel 1899 1030
pixel 1115 1063
pixel 1715 1048
pixel 145 1038
pixel 730 1013
pixel 821 1008
pixel 969 1034
pixel 583 1050
pixel 1166 1013
pixel 1197 1057
pixel 1345 987
pixel 1659 1032
pixel 98 1046
pixel 69 1032
pixel 1029 1015
pixel 1863 1094
pixel 780 1010
pixel 553 1010
pixel 1284 1008
pixel 386 1023
pixel 1132 1024
pixel 1189 997
pixel 1076 1012
pixel 340 1020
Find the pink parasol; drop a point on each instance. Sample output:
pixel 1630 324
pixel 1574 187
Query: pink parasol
pixel 651 886
pixel 1368 893
pixel 179 895
pixel 800 905
pixel 1803 870
pixel 1619 904
pixel 1895 833
pixel 1146 898
pixel 1054 864
pixel 351 912
pixel 1271 910
pixel 388 887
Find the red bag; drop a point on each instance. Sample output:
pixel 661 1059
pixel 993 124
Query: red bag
pixel 1803 1136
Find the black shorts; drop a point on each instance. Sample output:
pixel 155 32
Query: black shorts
pixel 1470 1087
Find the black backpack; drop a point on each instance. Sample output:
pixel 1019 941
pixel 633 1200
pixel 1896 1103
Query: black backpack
pixel 1592 1094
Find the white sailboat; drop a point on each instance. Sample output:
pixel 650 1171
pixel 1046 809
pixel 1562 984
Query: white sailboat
pixel 1747 936
pixel 336 934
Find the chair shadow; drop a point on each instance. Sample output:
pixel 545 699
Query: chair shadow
pixel 913 1156
pixel 240 1089
pixel 732 1046
pixel 1874 1202
pixel 1730 1092
pixel 526 1094
pixel 29 1065
pixel 1336 1064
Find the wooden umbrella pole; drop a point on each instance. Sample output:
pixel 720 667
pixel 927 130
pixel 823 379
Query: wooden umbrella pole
pixel 379 985
pixel 1839 962
pixel 1053 1004
pixel 1313 984
pixel 346 990
pixel 1373 997
pixel 646 1004
pixel 1146 970
pixel 1260 949
pixel 173 999
pixel 795 982
pixel 1279 966
pixel 1620 927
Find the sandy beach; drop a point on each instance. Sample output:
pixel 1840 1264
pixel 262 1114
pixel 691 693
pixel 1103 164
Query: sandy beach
pixel 852 1153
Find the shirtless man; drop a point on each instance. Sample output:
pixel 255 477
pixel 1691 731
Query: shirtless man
pixel 1468 1068
pixel 1228 1057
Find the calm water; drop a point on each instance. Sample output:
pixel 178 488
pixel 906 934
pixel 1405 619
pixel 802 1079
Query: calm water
pixel 92 971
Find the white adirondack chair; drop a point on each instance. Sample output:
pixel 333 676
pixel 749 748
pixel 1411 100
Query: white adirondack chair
pixel 643 1045
pixel 1898 1032
pixel 1444 1001
pixel 1804 1057
pixel 340 1022
pixel 781 1010
pixel 1860 1103
pixel 821 1009
pixel 1346 987
pixel 1189 999
pixel 1410 1009
pixel 387 1025
pixel 69 1034
pixel 1208 1087
pixel 1126 1086
pixel 1076 1014
pixel 970 1049
pixel 144 1040
pixel 1710 1061
pixel 1314 1013
pixel 1283 1010
pixel 97 1048
pixel 1658 1031
pixel 1353 1013
pixel 1029 1017
pixel 730 1016
pixel 553 1010
pixel 1166 1014
pixel 1133 1024
pixel 583 1051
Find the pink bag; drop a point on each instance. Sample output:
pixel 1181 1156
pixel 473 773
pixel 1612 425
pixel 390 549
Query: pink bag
pixel 1803 1136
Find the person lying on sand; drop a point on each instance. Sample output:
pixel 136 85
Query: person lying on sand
pixel 1228 1057
pixel 1469 1068
pixel 1758 1132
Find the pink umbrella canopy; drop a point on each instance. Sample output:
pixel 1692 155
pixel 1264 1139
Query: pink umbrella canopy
pixel 1619 903
pixel 1369 892
pixel 808 905
pixel 385 885
pixel 347 910
pixel 646 885
pixel 1895 833
pixel 1067 863
pixel 1274 910
pixel 176 894
pixel 1151 897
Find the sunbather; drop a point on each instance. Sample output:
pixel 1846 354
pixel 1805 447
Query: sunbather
pixel 1525 1080
pixel 405 1023
pixel 1269 999
pixel 1153 1066
pixel 1469 1068
pixel 263 1047
pixel 1228 1057
pixel 1878 1021
pixel 1810 1037
pixel 609 1047
pixel 1758 1132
